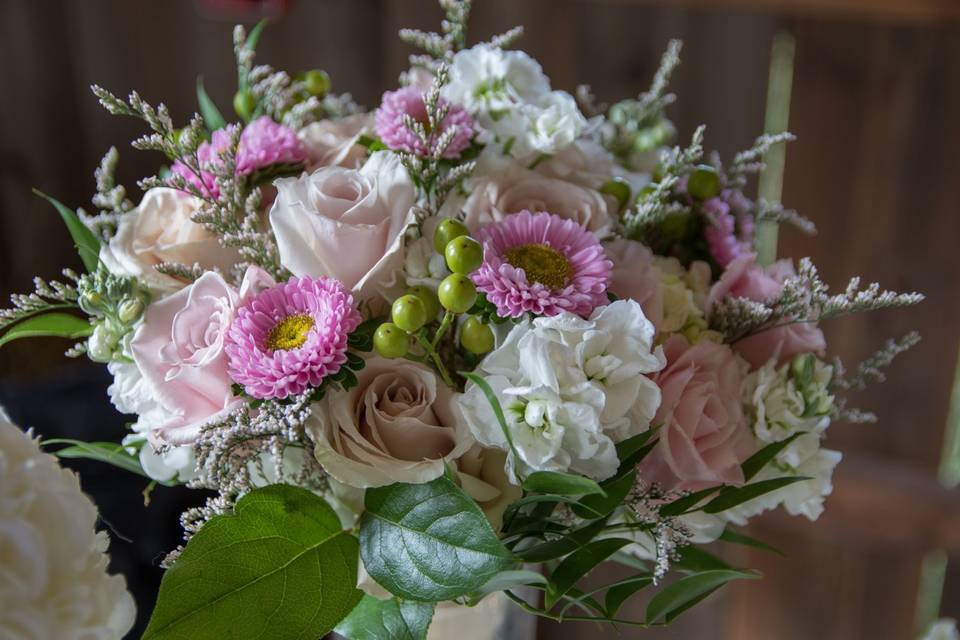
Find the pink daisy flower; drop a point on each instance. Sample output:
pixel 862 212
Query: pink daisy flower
pixel 409 101
pixel 542 264
pixel 291 336
pixel 264 143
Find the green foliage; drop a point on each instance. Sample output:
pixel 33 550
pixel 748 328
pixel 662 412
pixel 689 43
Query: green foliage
pixel 564 484
pixel 211 115
pixel 755 463
pixel 281 567
pixel 578 564
pixel 428 542
pixel 673 600
pixel 88 245
pixel 109 452
pixel 732 496
pixel 55 324
pixel 392 619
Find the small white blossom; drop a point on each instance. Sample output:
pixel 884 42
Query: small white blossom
pixel 570 388
pixel 423 265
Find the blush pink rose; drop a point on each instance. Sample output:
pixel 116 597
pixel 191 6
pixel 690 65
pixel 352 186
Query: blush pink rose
pixel 704 436
pixel 179 350
pixel 744 278
pixel 635 277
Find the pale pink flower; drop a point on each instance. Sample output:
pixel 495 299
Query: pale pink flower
pixel 542 264
pixel 704 436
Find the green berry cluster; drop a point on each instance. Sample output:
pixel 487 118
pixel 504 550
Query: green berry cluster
pixel 420 306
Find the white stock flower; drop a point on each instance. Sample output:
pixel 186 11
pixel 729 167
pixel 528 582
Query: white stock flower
pixel 943 629
pixel 571 388
pixel 53 566
pixel 423 265
pixel 781 402
pixel 549 125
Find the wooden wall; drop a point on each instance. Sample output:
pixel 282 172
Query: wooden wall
pixel 875 104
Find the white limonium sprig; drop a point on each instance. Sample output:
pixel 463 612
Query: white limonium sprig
pixel 750 161
pixel 110 199
pixel 48 295
pixel 775 212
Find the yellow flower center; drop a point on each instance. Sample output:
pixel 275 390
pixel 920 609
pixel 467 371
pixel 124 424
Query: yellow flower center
pixel 542 264
pixel 289 334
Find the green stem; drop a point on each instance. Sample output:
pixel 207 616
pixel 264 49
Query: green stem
pixel 437 361
pixel 444 326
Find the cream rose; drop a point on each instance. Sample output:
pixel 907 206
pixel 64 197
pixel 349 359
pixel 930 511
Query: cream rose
pixel 333 142
pixel 346 224
pixel 483 476
pixel 397 425
pixel 516 189
pixel 159 230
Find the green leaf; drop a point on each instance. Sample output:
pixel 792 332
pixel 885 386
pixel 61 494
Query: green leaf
pixel 508 580
pixel 88 245
pixel 694 558
pixel 428 542
pixel 560 547
pixel 281 567
pixel 254 36
pixel 57 325
pixel 735 537
pixel 619 189
pixel 752 465
pixel 577 565
pixel 110 452
pixel 391 619
pixel 677 597
pixel 632 450
pixel 732 496
pixel 497 411
pixel 599 505
pixel 211 115
pixel 561 484
pixel 681 505
pixel 620 592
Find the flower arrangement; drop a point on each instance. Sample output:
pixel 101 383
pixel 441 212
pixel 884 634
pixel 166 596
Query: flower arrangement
pixel 416 350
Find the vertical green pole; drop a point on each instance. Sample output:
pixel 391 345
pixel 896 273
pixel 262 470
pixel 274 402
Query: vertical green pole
pixel 933 570
pixel 950 455
pixel 776 121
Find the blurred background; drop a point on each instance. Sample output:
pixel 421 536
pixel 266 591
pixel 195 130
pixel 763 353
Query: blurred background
pixel 876 102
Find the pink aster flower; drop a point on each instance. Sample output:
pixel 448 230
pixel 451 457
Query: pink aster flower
pixel 542 263
pixel 291 336
pixel 208 155
pixel 264 143
pixel 409 101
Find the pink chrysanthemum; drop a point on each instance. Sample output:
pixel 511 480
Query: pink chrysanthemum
pixel 542 263
pixel 264 143
pixel 729 233
pixel 208 155
pixel 409 101
pixel 291 336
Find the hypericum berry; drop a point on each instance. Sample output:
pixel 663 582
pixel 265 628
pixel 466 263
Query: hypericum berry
pixel 390 341
pixel 463 254
pixel 244 104
pixel 429 299
pixel 476 337
pixel 447 230
pixel 317 82
pixel 457 293
pixel 703 183
pixel 409 313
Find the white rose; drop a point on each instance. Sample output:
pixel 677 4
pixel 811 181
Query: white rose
pixel 54 581
pixel 159 230
pixel 334 141
pixel 346 224
pixel 398 424
pixel 571 389
pixel 515 188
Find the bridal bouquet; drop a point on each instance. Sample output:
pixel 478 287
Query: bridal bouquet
pixel 486 336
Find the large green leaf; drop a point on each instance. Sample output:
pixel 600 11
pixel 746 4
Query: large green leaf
pixel 732 496
pixel 563 484
pixel 577 565
pixel 391 619
pixel 679 596
pixel 280 568
pixel 428 542
pixel 86 242
pixel 57 325
pixel 593 506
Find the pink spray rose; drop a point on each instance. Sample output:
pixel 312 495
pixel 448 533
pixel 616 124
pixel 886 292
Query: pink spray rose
pixel 744 278
pixel 704 437
pixel 635 277
pixel 179 348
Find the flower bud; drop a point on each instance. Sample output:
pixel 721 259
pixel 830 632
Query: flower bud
pixel 101 344
pixel 130 310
